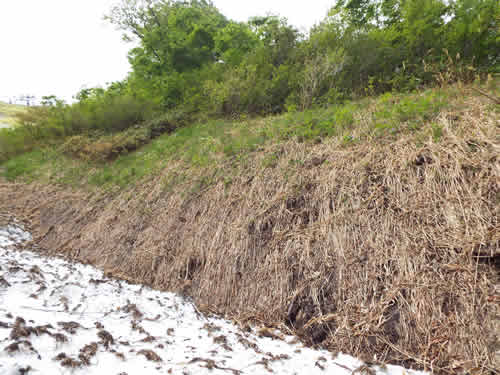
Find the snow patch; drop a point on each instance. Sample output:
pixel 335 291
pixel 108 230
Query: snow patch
pixel 12 235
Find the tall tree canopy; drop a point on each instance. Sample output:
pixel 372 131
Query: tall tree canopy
pixel 189 55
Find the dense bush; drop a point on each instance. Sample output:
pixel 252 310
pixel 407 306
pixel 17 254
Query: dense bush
pixel 97 112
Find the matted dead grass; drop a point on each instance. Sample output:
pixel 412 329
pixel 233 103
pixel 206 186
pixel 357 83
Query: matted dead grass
pixel 385 251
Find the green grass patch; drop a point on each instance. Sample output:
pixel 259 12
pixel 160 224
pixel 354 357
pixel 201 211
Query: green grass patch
pixel 11 109
pixel 205 146
pixel 27 165
pixel 8 113
pixel 395 113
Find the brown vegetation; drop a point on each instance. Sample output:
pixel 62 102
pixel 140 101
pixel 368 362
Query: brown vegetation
pixel 386 249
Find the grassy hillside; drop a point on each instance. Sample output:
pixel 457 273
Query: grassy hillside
pixel 10 109
pixel 208 149
pixel 8 113
pixel 369 227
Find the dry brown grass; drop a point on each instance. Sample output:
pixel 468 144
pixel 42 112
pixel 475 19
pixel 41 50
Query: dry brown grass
pixel 387 251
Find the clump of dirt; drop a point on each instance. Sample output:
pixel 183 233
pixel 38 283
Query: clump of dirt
pixel 4 283
pixel 87 352
pixel 150 355
pixel 21 345
pixel 106 338
pixel 20 329
pixel 68 362
pixel 12 348
pixel 70 327
pixel 59 337
pixel 132 308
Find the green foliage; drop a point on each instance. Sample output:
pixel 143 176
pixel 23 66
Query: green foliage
pixel 209 146
pixel 98 147
pixel 437 132
pixel 12 143
pixel 234 42
pixel 190 57
pixel 176 39
pixel 270 161
pixel 98 111
pixel 395 113
pixel 108 110
pixel 191 64
pixel 387 41
pixel 474 32
pixel 25 165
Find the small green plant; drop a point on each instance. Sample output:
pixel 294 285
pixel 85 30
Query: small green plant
pixel 296 162
pixel 437 132
pixel 228 181
pixel 270 161
pixel 370 87
pixel 347 140
pixel 383 128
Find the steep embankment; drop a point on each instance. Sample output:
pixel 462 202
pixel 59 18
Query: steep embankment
pixel 389 247
pixel 124 328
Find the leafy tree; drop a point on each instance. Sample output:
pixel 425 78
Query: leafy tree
pixel 175 37
pixel 279 39
pixel 234 42
pixel 474 31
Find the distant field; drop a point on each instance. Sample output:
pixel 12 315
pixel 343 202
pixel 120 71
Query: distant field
pixel 7 113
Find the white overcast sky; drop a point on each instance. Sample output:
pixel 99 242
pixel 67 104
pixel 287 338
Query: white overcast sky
pixel 56 47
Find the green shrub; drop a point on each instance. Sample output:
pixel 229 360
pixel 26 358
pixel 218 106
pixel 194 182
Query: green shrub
pixel 105 147
pixel 167 122
pixel 437 132
pixel 14 141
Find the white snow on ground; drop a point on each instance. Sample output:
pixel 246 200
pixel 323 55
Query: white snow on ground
pixel 62 318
